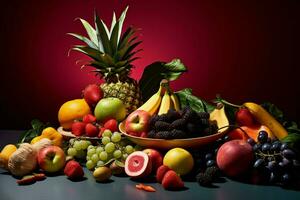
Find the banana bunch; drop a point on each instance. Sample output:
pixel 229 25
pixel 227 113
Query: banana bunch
pixel 161 104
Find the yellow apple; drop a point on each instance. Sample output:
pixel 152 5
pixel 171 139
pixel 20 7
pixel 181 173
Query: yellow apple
pixel 180 160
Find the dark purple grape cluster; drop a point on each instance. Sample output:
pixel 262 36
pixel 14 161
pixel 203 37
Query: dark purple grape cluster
pixel 184 124
pixel 274 159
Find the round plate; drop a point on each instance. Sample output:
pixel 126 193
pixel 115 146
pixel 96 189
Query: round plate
pixel 169 144
pixel 69 135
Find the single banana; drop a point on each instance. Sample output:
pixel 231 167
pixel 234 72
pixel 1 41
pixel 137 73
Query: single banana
pixel 263 117
pixel 151 106
pixel 166 104
pixel 175 101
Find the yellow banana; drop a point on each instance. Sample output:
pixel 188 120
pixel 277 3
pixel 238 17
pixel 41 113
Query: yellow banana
pixel 263 117
pixel 166 104
pixel 175 101
pixel 151 106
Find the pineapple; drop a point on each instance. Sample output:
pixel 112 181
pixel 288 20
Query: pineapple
pixel 112 54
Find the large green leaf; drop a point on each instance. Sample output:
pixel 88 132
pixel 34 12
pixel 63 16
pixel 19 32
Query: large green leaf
pixel 90 31
pixel 114 37
pixel 157 71
pixel 84 39
pixel 113 22
pixel 121 20
pixel 186 98
pixel 103 37
pixel 93 53
pixel 125 37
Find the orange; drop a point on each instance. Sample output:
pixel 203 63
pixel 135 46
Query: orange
pixel 72 110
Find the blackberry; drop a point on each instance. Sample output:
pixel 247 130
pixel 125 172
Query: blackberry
pixel 161 126
pixel 151 134
pixel 152 121
pixel 178 134
pixel 204 122
pixel 204 179
pixel 212 129
pixel 163 118
pixel 178 124
pixel 213 171
pixel 163 135
pixel 192 128
pixel 191 116
pixel 203 115
pixel 172 115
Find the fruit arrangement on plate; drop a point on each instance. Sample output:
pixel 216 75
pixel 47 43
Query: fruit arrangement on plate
pixel 145 128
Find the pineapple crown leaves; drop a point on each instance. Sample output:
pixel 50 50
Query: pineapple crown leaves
pixel 110 50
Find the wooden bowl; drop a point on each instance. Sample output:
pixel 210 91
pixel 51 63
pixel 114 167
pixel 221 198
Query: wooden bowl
pixel 172 143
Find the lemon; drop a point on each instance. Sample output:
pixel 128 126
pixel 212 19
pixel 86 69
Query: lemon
pixel 72 110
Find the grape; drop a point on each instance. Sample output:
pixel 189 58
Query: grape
pixel 77 145
pixel 284 163
pixel 81 154
pixel 289 154
pixel 258 163
pixel 99 149
pixel 106 133
pixel 125 155
pixel 210 163
pixel 262 136
pixel 271 165
pixel 117 154
pixel 95 158
pixel 83 144
pixel 296 163
pixel 71 141
pixel 90 147
pixel 105 140
pixel 265 147
pixel 103 156
pixel 251 141
pixel 129 149
pixel 88 158
pixel 284 146
pixel 208 156
pixel 72 151
pixel 90 164
pixel 100 163
pixel 286 178
pixel 256 147
pixel 91 152
pixel 226 138
pixel 272 177
pixel 109 147
pixel 116 137
pixel 275 146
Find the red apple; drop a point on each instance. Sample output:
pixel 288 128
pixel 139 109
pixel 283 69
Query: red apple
pixel 51 159
pixel 137 122
pixel 235 157
pixel 155 157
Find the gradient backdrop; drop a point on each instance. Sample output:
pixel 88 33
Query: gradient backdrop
pixel 243 50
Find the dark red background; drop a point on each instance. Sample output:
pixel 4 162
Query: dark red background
pixel 244 50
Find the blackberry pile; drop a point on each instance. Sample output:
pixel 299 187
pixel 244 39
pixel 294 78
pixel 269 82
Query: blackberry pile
pixel 178 125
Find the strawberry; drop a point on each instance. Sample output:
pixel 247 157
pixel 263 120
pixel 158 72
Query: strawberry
pixel 89 118
pixel 102 129
pixel 111 124
pixel 172 181
pixel 91 130
pixel 78 128
pixel 73 170
pixel 244 117
pixel 92 94
pixel 160 172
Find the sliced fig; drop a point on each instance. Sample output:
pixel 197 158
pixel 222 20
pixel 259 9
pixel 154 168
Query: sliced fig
pixel 138 165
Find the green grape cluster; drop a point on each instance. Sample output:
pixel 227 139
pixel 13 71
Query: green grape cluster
pixel 112 146
pixel 78 148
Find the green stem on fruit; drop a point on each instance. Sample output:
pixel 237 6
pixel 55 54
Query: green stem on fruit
pixel 227 103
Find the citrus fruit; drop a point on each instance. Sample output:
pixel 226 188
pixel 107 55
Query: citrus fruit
pixel 71 110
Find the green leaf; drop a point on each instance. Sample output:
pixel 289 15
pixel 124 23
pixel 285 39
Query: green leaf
pixel 155 72
pixel 93 53
pixel 102 35
pixel 37 128
pixel 84 39
pixel 121 20
pixel 125 37
pixel 90 31
pixel 230 110
pixel 186 98
pixel 293 140
pixel 113 22
pixel 114 37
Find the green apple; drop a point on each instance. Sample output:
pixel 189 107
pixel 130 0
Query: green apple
pixel 110 108
pixel 180 160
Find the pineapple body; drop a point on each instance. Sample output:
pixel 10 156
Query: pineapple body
pixel 127 91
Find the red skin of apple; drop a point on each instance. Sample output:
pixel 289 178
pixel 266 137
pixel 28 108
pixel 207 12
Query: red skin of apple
pixel 155 157
pixel 92 94
pixel 137 123
pixel 244 117
pixel 51 159
pixel 235 157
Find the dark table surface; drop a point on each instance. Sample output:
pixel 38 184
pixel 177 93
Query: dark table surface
pixel 59 187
